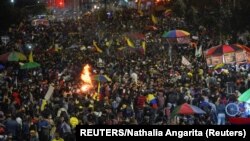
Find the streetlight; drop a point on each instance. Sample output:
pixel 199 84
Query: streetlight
pixel 12 2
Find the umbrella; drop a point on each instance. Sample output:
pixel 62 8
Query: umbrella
pixel 243 47
pixel 175 34
pixel 187 109
pixel 30 65
pixel 12 56
pixel 102 78
pixel 245 97
pixel 222 49
pixel 1 67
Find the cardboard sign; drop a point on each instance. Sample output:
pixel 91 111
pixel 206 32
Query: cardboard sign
pixel 49 92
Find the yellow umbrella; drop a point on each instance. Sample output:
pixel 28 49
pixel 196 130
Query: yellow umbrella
pixel 12 56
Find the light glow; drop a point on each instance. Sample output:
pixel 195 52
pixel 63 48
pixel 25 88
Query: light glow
pixel 86 78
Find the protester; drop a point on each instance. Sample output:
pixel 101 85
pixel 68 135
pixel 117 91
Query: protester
pixel 145 87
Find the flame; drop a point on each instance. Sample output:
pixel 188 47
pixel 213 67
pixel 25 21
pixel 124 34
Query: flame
pixel 85 87
pixel 86 78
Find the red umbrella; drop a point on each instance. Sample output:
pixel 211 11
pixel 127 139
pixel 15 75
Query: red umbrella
pixel 242 47
pixel 187 109
pixel 222 49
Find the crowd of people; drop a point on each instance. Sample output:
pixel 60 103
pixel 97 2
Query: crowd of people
pixel 139 76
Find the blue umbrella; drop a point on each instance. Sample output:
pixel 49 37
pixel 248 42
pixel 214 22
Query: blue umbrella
pixel 102 78
pixel 1 67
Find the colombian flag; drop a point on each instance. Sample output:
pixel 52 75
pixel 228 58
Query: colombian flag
pixel 154 19
pixel 152 101
pixel 144 47
pixel 129 42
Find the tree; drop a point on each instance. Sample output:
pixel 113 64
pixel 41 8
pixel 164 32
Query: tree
pixel 191 15
pixel 179 8
pixel 13 14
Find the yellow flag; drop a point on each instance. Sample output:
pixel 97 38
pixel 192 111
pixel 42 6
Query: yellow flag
pixel 31 57
pixel 96 96
pixel 130 43
pixel 44 103
pixel 96 47
pixel 154 19
pixel 144 47
pixel 139 8
pixel 139 5
pixel 140 12
pixel 99 88
pixel 121 48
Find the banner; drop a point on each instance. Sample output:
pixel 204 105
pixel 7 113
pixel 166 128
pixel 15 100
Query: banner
pixel 229 58
pixel 49 92
pixel 37 22
pixel 208 133
pixel 217 60
pixel 240 56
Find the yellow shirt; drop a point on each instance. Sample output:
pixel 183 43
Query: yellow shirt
pixel 60 139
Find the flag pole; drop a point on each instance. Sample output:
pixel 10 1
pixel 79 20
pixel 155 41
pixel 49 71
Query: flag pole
pixel 170 51
pixel 16 81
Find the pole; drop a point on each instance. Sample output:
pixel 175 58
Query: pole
pixel 170 51
pixel 105 5
pixel 12 3
pixel 220 23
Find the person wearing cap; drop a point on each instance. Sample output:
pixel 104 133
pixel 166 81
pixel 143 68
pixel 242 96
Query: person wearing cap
pixel 33 136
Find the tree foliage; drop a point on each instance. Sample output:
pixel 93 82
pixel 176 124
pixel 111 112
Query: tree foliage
pixel 14 13
pixel 179 8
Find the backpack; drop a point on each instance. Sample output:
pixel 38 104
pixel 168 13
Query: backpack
pixel 2 130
